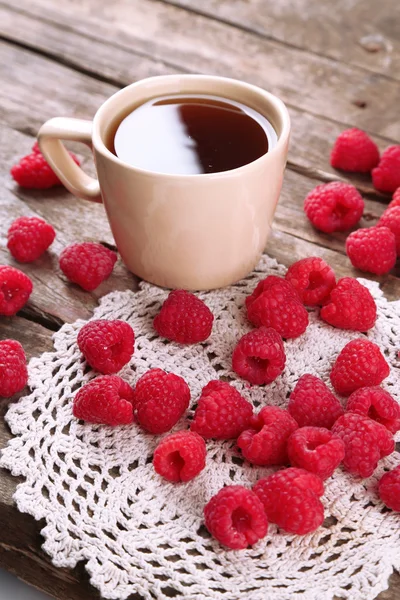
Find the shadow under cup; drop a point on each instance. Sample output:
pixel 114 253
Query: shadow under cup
pixel 197 231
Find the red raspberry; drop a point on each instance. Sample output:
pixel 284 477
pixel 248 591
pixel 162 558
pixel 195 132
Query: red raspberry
pixel 235 517
pixel 87 264
pixel 291 500
pixel 275 303
pixel 106 345
pixel 107 400
pixel 377 404
pixel 312 403
pixel 350 306
pixel 15 289
pixel 354 151
pixel 372 250
pixel 359 364
pixel 33 171
pixel 395 199
pixel 334 206
pixel 180 456
pixel 265 443
pixel 313 280
pixel 386 176
pixel 160 399
pixel 391 219
pixel 365 443
pixel 259 356
pixel 184 318
pixel 29 237
pixel 13 371
pixel 315 449
pixel 222 413
pixel 389 489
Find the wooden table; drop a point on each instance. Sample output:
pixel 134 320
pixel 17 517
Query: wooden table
pixel 335 64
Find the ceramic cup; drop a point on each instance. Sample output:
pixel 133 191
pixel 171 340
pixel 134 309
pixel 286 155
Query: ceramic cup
pixel 195 232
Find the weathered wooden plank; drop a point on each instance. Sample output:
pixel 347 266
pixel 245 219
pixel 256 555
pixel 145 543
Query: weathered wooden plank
pixel 342 30
pixel 192 42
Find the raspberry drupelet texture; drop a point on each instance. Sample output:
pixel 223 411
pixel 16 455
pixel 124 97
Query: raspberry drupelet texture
pixel 359 364
pixel 184 318
pixel 33 171
pixel 87 264
pixel 159 400
pixel 291 500
pixel 265 442
pixel 313 279
pixel 365 443
pixel 391 220
pixel 13 371
pixel 389 489
pixel 312 403
pixel 372 250
pixel 106 345
pixel 106 400
pixel 350 306
pixel 180 456
pixel 386 176
pixel 354 151
pixel 15 289
pixel 259 356
pixel 28 238
pixel 334 206
pixel 222 413
pixel 395 201
pixel 377 404
pixel 315 449
pixel 236 517
pixel 275 303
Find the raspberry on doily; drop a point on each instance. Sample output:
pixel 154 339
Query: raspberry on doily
pixel 105 504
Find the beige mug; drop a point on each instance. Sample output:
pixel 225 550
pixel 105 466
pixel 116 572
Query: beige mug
pixel 196 232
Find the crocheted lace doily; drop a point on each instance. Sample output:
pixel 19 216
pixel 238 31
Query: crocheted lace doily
pixel 104 504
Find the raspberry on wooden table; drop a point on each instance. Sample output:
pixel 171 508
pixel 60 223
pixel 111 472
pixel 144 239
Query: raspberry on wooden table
pixel 275 303
pixel 313 404
pixel 334 206
pixel 265 442
pixel 13 371
pixel 365 443
pixel 372 250
pixel 87 264
pixel 391 219
pixel 222 413
pixel 312 278
pixel 236 517
pixel 180 456
pixel 106 400
pixel 15 289
pixel 389 489
pixel 315 449
pixel 291 500
pixel 395 201
pixel 33 171
pixel 386 176
pixel 184 318
pixel 354 151
pixel 160 399
pixel 359 364
pixel 377 404
pixel 350 306
pixel 106 345
pixel 28 238
pixel 259 356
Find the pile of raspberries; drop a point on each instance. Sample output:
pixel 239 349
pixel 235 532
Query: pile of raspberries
pixel 309 439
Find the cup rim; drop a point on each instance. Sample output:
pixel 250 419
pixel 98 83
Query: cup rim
pixel 276 102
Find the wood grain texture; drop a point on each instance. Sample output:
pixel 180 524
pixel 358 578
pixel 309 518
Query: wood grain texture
pixel 351 31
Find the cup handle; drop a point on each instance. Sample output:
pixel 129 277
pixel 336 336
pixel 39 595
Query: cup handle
pixel 72 176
